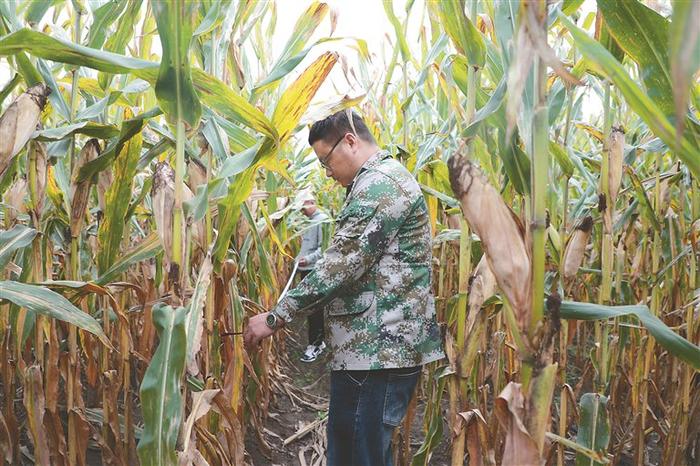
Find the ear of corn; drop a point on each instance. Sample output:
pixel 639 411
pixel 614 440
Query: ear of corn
pixel 501 236
pixel 19 122
pixel 81 189
pixel 576 247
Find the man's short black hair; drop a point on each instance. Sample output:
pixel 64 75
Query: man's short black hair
pixel 332 128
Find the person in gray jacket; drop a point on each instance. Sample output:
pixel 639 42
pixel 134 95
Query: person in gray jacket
pixel 309 254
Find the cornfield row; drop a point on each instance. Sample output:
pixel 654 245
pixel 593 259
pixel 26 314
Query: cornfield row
pixel 149 161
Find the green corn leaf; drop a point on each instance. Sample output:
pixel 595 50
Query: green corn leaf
pixel 294 50
pixel 117 200
pixel 161 397
pixel 174 89
pixel 641 103
pixel 45 302
pixel 88 128
pixel 664 336
pixel 465 36
pixel 102 20
pixel 643 34
pixel 147 248
pixel 593 427
pixel 12 240
pixel 684 51
pixel 212 92
pixel 131 127
pixel 398 29
pixel 37 9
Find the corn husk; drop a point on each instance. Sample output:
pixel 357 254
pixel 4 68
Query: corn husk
pixel 502 237
pixel 80 190
pixel 482 287
pixel 197 174
pixel 19 121
pixel 14 197
pixel 576 247
pixel 105 178
pixel 163 203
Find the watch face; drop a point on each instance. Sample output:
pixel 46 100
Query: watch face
pixel 271 320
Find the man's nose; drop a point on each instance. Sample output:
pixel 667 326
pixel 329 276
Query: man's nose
pixel 329 172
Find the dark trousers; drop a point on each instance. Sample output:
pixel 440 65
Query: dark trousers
pixel 365 407
pixel 314 320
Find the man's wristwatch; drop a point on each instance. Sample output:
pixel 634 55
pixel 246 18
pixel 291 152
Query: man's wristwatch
pixel 272 321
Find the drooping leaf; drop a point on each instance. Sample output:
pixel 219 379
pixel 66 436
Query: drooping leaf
pixel 161 397
pixel 174 89
pixel 44 301
pixel 90 129
pixel 12 240
pixel 664 336
pixel 212 91
pixel 643 34
pixel 147 248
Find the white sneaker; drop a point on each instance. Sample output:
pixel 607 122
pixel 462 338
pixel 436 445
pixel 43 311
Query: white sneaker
pixel 312 352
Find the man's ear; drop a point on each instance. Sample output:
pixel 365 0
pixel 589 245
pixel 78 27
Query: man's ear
pixel 353 141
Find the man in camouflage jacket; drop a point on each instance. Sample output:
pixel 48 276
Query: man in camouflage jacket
pixel 374 283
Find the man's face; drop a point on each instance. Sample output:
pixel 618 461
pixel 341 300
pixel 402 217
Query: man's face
pixel 309 207
pixel 337 157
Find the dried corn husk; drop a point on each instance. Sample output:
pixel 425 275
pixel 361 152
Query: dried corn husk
pixel 197 174
pixel 19 122
pixel 576 247
pixel 36 173
pixel 482 287
pixel 14 197
pixel 163 202
pixel 80 190
pixel 501 235
pixel 104 180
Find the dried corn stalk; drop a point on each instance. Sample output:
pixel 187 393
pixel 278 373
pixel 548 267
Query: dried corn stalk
pixel 19 121
pixel 501 235
pixel 576 247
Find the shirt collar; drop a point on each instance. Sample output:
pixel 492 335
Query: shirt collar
pixel 373 160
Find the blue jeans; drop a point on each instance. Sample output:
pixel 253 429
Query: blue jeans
pixel 365 407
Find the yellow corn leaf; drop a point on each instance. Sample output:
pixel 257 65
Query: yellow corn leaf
pixel 297 97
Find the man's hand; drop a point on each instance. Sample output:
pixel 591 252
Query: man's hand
pixel 256 330
pixel 303 262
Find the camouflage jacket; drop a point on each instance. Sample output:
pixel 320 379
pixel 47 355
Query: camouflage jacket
pixel 374 281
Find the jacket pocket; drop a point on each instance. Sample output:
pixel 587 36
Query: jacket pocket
pixel 350 304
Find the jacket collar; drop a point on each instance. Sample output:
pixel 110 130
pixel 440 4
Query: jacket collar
pixel 371 162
